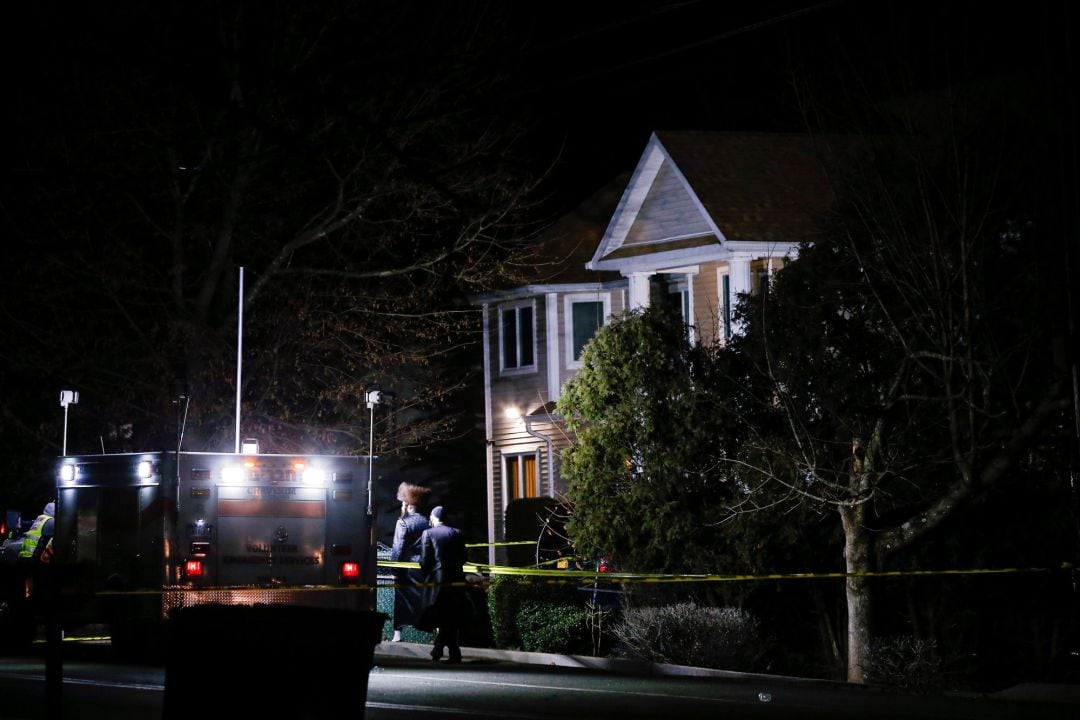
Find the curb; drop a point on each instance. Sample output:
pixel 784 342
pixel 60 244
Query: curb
pixel 1024 694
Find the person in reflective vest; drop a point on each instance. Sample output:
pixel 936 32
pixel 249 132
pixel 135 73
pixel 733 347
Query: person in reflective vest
pixel 39 535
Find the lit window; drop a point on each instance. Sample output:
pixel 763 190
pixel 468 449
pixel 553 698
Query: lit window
pixel 517 337
pixel 519 476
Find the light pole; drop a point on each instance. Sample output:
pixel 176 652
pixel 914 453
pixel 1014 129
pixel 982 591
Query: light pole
pixel 67 397
pixel 372 396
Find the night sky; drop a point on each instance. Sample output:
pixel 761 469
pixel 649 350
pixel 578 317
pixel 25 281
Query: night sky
pixel 592 78
pixel 109 104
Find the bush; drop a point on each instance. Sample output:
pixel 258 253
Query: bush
pixel 551 628
pixel 690 634
pixel 505 595
pixel 904 661
pixel 538 616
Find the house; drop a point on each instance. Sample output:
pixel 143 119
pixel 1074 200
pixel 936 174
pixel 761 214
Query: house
pixel 704 217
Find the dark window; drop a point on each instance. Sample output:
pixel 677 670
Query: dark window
pixel 517 337
pixel 587 318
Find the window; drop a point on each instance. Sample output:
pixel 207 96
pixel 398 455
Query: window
pixel 762 272
pixel 519 476
pixel 517 337
pixel 672 292
pixel 762 279
pixel 584 316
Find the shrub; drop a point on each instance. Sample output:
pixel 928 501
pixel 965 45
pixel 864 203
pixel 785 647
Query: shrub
pixel 540 616
pixel 689 634
pixel 903 661
pixel 504 597
pixel 553 628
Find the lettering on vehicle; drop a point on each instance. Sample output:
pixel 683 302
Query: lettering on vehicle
pixel 266 548
pixel 271 492
pixel 266 560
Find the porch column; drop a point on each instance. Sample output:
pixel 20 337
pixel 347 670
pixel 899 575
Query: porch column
pixel 639 290
pixel 740 284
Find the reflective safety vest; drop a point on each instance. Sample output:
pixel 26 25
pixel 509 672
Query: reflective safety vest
pixel 33 537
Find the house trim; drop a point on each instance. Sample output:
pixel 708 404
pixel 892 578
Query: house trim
pixel 529 291
pixel 551 340
pixel 489 441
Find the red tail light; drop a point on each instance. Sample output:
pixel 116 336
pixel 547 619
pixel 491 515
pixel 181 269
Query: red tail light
pixel 604 566
pixel 350 570
pixel 193 568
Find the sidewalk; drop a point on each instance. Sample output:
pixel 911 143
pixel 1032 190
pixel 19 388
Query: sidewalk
pixel 388 653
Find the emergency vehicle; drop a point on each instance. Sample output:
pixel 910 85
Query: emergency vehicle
pixel 146 533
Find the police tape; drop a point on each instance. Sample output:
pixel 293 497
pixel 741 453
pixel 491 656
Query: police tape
pixel 501 544
pixel 626 577
pixel 591 576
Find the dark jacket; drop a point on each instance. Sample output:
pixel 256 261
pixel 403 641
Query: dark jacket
pixel 407 534
pixel 442 555
pixel 408 595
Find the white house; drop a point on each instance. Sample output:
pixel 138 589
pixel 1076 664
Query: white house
pixel 703 217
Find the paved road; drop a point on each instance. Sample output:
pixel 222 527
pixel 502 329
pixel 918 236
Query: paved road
pixel 403 683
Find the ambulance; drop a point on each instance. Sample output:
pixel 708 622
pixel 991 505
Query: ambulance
pixel 146 533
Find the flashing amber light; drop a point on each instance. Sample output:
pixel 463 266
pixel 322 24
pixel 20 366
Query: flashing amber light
pixel 350 569
pixel 193 568
pixel 249 463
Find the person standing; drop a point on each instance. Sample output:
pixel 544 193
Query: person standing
pixel 39 536
pixel 408 595
pixel 442 557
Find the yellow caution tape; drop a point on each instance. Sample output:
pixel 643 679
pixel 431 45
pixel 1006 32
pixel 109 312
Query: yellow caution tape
pixel 534 574
pixel 625 577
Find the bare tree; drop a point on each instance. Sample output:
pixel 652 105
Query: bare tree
pixel 344 156
pixel 907 359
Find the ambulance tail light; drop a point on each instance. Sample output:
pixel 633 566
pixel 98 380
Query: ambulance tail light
pixel 193 568
pixel 350 570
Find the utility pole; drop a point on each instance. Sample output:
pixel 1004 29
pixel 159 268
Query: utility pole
pixel 372 396
pixel 67 397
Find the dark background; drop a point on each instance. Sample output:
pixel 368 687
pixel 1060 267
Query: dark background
pixel 585 82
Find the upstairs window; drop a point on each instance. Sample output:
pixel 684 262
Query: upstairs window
pixel 585 315
pixel 517 337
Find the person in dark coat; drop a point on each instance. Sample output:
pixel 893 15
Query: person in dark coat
pixel 408 595
pixel 442 557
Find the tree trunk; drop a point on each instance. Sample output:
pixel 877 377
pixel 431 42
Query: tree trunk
pixel 857 561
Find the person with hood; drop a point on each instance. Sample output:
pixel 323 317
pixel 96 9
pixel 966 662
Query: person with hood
pixel 39 536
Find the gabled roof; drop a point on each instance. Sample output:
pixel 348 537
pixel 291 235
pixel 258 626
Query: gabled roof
pixel 700 195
